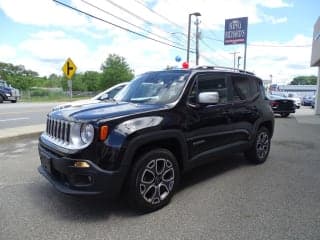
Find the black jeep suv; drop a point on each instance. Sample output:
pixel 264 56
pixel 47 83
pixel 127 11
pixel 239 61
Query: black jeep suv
pixel 160 125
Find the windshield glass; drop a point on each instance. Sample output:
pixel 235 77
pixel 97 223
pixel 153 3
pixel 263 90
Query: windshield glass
pixel 154 87
pixel 3 84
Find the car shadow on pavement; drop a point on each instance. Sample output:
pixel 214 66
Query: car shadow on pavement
pixel 99 208
pixel 83 208
pixel 216 167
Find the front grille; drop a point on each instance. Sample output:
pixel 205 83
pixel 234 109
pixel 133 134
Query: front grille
pixel 58 129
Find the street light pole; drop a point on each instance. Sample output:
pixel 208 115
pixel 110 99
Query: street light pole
pixel 234 59
pixel 189 30
pixel 197 41
pixel 239 57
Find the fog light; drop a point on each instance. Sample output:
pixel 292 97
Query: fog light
pixel 81 165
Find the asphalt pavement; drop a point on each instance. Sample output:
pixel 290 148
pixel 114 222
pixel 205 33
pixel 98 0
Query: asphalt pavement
pixel 228 199
pixel 21 114
pixel 20 119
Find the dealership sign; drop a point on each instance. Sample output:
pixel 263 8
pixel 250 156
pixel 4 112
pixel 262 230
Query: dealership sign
pixel 235 31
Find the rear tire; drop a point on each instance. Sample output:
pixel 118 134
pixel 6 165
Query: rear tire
pixel 153 180
pixel 259 151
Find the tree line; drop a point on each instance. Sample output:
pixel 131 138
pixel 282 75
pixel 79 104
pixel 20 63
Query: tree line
pixel 114 69
pixel 304 80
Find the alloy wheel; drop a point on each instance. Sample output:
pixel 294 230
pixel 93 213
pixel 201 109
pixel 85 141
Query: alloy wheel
pixel 262 145
pixel 157 180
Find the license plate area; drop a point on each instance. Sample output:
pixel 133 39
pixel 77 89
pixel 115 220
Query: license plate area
pixel 45 161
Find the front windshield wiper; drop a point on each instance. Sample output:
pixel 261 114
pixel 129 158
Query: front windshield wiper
pixel 143 99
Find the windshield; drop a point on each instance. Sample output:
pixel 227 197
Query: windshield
pixel 3 84
pixel 154 87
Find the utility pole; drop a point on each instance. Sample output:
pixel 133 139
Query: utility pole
pixel 234 59
pixel 197 14
pixel 197 22
pixel 239 57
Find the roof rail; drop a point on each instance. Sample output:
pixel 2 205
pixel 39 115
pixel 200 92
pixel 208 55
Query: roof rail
pixel 204 67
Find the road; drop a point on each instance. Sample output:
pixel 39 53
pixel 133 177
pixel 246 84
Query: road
pixel 23 114
pixel 228 199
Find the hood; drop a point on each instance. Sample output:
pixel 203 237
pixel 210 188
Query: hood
pixel 7 89
pixel 75 104
pixel 103 110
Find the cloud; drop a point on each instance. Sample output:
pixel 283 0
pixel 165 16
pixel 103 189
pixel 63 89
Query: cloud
pixel 41 13
pixel 275 4
pixel 46 50
pixel 7 52
pixel 284 62
pixel 274 20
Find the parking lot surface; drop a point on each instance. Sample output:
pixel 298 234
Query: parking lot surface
pixel 227 199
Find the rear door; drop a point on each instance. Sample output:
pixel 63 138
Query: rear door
pixel 245 94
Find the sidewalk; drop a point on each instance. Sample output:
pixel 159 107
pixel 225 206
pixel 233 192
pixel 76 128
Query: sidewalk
pixel 21 131
pixel 306 116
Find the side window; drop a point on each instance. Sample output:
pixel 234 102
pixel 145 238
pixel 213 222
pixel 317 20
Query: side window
pixel 113 92
pixel 262 89
pixel 244 87
pixel 209 83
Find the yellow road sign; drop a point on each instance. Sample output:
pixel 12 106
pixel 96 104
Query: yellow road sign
pixel 69 68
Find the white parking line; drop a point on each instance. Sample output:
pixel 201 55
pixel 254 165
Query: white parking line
pixel 13 119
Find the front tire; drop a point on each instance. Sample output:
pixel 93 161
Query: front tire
pixel 259 151
pixel 153 180
pixel 13 101
pixel 1 99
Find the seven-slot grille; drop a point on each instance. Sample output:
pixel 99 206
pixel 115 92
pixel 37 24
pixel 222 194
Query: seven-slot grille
pixel 58 129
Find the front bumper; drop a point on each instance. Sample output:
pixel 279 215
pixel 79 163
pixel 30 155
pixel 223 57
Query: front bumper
pixel 12 98
pixel 278 111
pixel 66 178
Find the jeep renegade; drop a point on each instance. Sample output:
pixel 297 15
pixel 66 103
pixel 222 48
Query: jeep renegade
pixel 160 125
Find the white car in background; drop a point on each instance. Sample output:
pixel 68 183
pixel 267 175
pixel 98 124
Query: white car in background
pixel 105 95
pixel 295 98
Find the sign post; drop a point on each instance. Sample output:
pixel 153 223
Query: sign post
pixel 235 32
pixel 69 69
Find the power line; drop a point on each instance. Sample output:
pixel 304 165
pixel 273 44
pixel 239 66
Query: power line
pixel 135 15
pixel 208 59
pixel 134 25
pixel 158 14
pixel 286 46
pixel 118 26
pixel 208 46
pixel 264 45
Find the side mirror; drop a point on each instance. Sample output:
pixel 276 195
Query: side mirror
pixel 208 97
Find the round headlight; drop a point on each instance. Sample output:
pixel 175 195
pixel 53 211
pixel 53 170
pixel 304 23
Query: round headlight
pixel 87 133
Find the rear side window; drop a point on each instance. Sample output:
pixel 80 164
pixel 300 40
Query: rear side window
pixel 244 87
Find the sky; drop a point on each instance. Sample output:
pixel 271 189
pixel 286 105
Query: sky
pixel 42 34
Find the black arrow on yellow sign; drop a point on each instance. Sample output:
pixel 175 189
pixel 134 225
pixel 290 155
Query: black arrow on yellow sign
pixel 69 68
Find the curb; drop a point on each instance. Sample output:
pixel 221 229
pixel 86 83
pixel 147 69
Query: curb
pixel 16 133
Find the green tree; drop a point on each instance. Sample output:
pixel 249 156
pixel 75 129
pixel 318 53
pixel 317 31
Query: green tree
pixel 115 70
pixel 304 80
pixel 18 76
pixel 92 80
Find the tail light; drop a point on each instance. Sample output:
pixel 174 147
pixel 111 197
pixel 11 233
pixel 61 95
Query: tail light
pixel 274 104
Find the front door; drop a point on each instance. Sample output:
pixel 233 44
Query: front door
pixel 208 126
